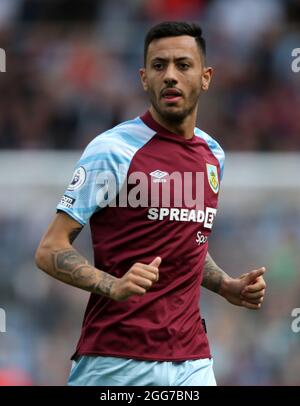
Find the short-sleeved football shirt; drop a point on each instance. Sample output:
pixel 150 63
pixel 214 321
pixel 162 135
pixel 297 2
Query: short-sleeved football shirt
pixel 147 192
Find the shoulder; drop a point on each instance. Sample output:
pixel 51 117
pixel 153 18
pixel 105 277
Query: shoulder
pixel 120 141
pixel 213 145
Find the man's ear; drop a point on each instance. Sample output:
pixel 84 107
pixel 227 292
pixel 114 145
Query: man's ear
pixel 143 76
pixel 206 78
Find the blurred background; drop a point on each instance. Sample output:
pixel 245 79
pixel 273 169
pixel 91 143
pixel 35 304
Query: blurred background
pixel 72 72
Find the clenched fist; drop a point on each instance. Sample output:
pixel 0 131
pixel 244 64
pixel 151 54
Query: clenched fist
pixel 136 281
pixel 248 290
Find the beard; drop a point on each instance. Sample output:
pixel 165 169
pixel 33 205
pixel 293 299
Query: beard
pixel 175 116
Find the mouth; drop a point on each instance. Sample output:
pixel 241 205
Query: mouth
pixel 171 95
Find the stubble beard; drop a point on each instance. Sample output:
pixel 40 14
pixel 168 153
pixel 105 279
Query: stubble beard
pixel 174 117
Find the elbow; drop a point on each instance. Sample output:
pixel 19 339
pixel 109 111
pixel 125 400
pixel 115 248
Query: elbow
pixel 40 257
pixel 44 252
pixel 43 255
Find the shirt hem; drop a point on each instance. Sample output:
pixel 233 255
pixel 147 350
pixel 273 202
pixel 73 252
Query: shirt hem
pixel 141 357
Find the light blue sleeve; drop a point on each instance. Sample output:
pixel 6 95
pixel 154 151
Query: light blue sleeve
pixel 98 175
pixel 214 146
pixel 102 170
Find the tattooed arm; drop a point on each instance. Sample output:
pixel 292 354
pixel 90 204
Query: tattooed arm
pixel 56 256
pixel 213 276
pixel 248 290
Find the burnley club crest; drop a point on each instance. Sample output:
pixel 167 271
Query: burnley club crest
pixel 213 179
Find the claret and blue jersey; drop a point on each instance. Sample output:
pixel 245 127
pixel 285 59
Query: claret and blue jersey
pixel 165 323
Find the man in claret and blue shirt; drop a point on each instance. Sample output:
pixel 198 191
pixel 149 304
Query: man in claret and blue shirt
pixel 142 325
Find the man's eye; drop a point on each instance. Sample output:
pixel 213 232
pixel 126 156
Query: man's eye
pixel 158 66
pixel 184 66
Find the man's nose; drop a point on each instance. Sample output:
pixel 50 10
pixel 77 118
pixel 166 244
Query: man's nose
pixel 170 75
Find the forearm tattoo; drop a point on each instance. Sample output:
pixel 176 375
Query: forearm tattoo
pixel 72 268
pixel 212 275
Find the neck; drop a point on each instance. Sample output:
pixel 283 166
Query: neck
pixel 185 128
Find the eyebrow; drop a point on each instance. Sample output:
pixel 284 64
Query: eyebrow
pixel 181 58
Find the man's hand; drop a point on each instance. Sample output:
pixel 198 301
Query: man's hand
pixel 136 281
pixel 248 290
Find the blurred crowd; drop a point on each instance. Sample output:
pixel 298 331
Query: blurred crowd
pixel 72 69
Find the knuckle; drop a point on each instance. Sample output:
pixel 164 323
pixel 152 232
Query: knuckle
pixel 134 268
pixel 129 278
pixel 147 284
pixel 136 271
